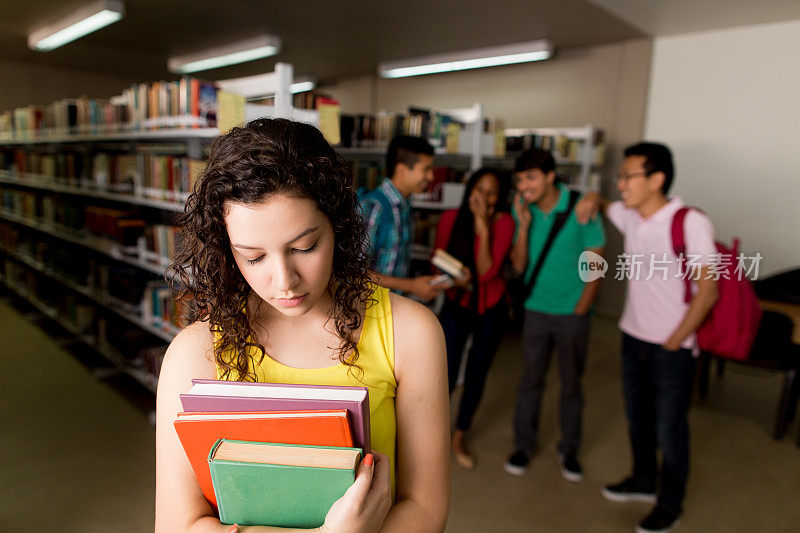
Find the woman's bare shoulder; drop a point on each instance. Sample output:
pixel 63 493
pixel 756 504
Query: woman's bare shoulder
pixel 190 355
pixel 417 333
pixel 408 313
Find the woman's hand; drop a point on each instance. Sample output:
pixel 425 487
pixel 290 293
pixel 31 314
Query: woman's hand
pixel 363 508
pixel 481 213
pixel 523 213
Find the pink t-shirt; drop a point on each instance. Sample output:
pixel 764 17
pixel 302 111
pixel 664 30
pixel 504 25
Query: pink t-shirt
pixel 654 304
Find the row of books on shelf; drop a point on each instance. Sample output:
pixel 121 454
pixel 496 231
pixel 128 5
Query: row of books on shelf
pixel 140 348
pixel 143 174
pixel 425 224
pixel 123 230
pixel 70 262
pixel 76 312
pixel 301 100
pixel 442 130
pixel 158 177
pixel 129 290
pixel 129 345
pixel 365 130
pixel 44 209
pixel 159 243
pixel 563 147
pixel 273 454
pixel 368 174
pixel 149 360
pixel 185 103
pixel 160 308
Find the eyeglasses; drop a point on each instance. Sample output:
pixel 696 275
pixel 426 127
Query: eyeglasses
pixel 623 176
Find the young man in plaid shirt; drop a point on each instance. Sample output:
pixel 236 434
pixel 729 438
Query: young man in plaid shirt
pixel 387 212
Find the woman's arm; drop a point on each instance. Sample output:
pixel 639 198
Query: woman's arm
pixel 180 504
pixel 422 410
pixel 500 246
pixel 483 259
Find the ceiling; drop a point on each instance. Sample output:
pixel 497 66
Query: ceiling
pixel 324 38
pixel 670 17
pixel 330 39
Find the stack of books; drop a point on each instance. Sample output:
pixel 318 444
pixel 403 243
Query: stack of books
pixel 273 454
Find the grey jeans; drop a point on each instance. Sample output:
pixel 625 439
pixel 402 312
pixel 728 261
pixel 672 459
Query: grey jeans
pixel 569 335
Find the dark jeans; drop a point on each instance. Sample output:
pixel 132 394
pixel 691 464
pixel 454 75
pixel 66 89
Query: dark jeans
pixel 569 335
pixel 487 331
pixel 658 387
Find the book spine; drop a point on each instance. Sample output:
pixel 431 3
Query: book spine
pixel 211 466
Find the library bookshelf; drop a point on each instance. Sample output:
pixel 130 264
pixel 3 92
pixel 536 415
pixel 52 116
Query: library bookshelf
pixel 89 249
pixel 89 192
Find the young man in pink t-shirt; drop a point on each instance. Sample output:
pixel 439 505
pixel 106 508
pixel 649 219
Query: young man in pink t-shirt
pixel 658 327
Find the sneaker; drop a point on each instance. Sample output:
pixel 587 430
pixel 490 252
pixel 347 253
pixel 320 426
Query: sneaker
pixel 570 467
pixel 629 490
pixel 660 520
pixel 517 463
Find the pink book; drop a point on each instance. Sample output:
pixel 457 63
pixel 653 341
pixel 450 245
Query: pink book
pixel 235 396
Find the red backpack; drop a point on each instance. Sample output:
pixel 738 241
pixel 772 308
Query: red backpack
pixel 731 326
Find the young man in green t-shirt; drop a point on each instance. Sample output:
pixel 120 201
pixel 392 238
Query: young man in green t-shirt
pixel 556 308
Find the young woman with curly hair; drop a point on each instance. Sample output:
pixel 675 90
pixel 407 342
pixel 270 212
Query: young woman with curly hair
pixel 272 259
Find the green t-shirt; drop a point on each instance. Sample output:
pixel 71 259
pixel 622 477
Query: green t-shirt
pixel 559 287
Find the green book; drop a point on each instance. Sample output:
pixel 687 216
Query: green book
pixel 274 484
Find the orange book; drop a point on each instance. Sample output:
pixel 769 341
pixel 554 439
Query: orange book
pixel 199 431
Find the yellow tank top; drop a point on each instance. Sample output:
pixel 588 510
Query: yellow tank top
pixel 375 358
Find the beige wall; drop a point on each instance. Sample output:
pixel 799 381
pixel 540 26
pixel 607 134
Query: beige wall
pixel 728 104
pixel 24 84
pixel 605 86
pixel 355 95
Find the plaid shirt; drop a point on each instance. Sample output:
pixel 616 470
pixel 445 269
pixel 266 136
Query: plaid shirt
pixel 388 217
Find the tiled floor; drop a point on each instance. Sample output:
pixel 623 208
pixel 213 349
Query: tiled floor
pixel 76 454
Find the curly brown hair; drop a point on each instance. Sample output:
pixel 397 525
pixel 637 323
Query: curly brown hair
pixel 247 165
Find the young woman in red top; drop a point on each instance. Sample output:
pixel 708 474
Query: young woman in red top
pixel 479 234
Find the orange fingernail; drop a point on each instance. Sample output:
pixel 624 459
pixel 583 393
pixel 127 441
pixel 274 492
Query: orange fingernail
pixel 368 460
pixel 234 528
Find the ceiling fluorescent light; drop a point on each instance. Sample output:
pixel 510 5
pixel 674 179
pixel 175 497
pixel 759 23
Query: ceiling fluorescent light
pixel 80 22
pixel 468 59
pixel 222 56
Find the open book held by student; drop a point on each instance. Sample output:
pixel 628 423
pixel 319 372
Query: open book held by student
pixel 452 268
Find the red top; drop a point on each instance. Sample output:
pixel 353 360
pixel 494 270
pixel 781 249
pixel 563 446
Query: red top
pixel 491 286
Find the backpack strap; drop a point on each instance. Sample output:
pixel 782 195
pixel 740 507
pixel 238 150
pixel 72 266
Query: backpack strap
pixel 558 224
pixel 679 247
